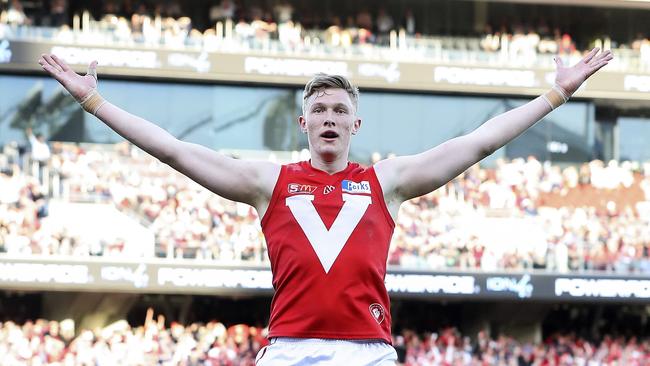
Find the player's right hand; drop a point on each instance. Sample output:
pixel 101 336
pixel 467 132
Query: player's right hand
pixel 78 86
pixel 570 78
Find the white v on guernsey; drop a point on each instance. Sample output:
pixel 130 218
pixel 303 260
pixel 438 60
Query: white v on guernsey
pixel 328 238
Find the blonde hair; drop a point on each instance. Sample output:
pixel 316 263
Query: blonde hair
pixel 323 81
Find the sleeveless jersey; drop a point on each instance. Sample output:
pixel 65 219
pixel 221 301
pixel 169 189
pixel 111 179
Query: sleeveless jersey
pixel 328 238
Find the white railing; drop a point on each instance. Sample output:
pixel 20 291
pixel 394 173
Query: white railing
pixel 400 47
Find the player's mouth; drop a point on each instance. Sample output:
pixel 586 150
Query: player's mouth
pixel 329 135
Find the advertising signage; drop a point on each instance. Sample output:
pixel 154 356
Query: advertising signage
pixel 191 277
pixel 258 67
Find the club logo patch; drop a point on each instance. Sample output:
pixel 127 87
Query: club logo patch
pixel 377 312
pixel 328 189
pixel 295 188
pixel 349 186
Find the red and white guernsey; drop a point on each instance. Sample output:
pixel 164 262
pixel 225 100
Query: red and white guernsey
pixel 328 238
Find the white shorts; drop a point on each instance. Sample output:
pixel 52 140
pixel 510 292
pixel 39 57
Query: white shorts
pixel 315 351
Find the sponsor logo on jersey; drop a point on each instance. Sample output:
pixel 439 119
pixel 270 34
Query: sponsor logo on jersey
pixel 349 186
pixel 295 188
pixel 328 189
pixel 377 312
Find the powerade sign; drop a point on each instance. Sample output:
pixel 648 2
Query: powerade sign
pixel 602 288
pixel 431 284
pixel 45 273
pixel 294 69
pixel 187 277
pixel 214 278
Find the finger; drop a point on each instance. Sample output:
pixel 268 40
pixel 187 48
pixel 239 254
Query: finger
pixel 602 56
pixel 51 62
pixel 605 58
pixel 43 62
pixel 558 61
pixel 607 55
pixel 51 70
pixel 590 55
pixel 61 63
pixel 45 65
pixel 597 67
pixel 92 70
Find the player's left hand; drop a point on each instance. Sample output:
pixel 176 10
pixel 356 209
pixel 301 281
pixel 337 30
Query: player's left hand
pixel 570 78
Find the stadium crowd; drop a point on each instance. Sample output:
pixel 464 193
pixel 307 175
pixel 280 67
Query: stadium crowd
pixel 450 347
pixel 293 27
pixel 41 342
pixel 521 215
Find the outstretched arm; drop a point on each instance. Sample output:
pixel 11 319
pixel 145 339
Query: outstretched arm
pixel 250 182
pixel 405 177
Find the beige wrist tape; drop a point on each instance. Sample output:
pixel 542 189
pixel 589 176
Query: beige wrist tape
pixel 555 97
pixel 92 102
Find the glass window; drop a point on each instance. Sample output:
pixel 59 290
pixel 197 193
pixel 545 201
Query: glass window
pixel 564 135
pixel 264 118
pixel 633 139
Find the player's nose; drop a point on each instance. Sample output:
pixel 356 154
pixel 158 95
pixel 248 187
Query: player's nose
pixel 329 120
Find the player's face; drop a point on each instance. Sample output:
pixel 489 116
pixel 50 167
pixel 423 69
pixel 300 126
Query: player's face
pixel 330 120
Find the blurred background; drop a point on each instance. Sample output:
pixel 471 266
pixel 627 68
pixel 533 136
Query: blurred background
pixel 539 255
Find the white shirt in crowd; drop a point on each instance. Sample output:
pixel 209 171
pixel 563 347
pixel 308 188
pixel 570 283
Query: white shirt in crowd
pixel 40 150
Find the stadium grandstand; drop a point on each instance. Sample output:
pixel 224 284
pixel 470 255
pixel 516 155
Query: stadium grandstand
pixel 538 255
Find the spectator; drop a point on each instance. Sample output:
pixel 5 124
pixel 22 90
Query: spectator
pixel 408 22
pixel 385 23
pixel 58 15
pixel 566 45
pixel 16 14
pixel 283 12
pixel 226 9
pixel 40 152
pixel 364 19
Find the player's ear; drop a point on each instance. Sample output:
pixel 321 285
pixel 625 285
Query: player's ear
pixel 302 123
pixel 356 126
